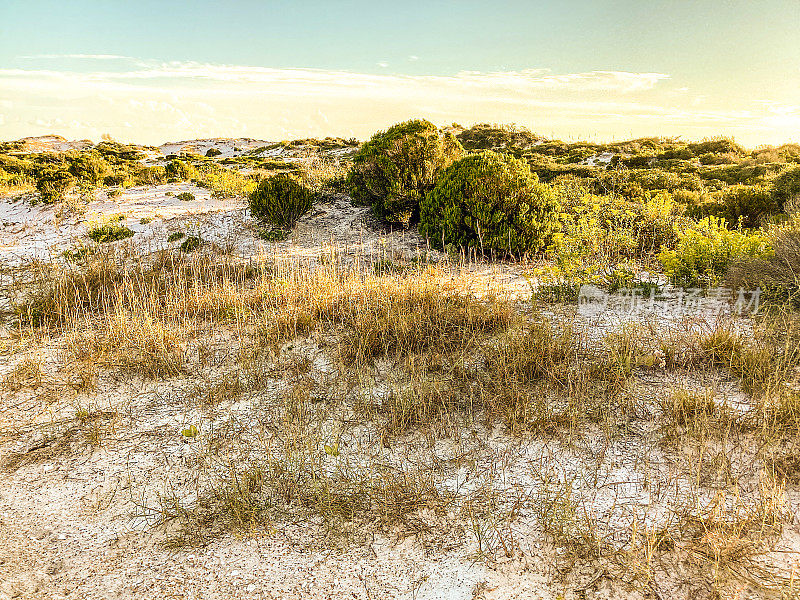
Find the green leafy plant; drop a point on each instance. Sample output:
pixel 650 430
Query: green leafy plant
pixel 185 196
pixel 280 200
pixel 191 243
pixel 190 432
pixel 396 169
pixel 175 236
pixel 492 202
pixel 109 232
pixel 705 251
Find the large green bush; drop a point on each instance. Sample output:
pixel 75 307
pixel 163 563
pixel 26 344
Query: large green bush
pixel 492 202
pixel 395 169
pixel 280 200
pixel 704 252
pixel 746 205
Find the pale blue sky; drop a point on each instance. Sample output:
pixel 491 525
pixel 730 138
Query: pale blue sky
pixel 575 68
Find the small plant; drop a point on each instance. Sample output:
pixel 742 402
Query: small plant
pixel 212 152
pixel 280 200
pixel 109 232
pixel 77 254
pixel 273 234
pixel 191 243
pixel 185 196
pixel 704 252
pixel 492 202
pixel 175 236
pixel 395 169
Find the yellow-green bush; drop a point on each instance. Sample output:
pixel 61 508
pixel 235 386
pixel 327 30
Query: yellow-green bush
pixel 705 251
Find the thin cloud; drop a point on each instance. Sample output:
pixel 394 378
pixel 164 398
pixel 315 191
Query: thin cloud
pixel 190 99
pixel 77 56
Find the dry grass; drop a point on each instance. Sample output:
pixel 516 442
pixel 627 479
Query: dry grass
pixel 64 437
pixel 27 373
pixel 412 358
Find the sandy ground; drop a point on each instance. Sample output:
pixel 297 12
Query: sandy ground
pixel 73 525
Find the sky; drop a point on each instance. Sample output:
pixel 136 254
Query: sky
pixel 154 71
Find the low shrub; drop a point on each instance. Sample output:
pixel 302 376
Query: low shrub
pixel 53 183
pixel 89 168
pixel 155 175
pixel 109 232
pixel 747 205
pixel 280 200
pixel 191 243
pixel 224 183
pixel 777 275
pixel 602 231
pixel 396 169
pixel 705 251
pixel 185 196
pixel 786 188
pixel 212 152
pixel 492 202
pixel 179 170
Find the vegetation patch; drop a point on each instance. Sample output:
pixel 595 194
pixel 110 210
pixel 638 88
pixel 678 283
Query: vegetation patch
pixel 109 232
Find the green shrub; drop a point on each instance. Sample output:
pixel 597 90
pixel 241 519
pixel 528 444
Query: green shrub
pixel 180 170
pixel 109 232
pixel 705 251
pixel 492 202
pixel 746 205
pixel 224 183
pixel 155 175
pixel 175 236
pixel 212 152
pixel 396 169
pixel 89 168
pixel 53 183
pixel 716 146
pixel 191 243
pixel 786 188
pixel 598 232
pixel 280 200
pixel 493 137
pixel 185 196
